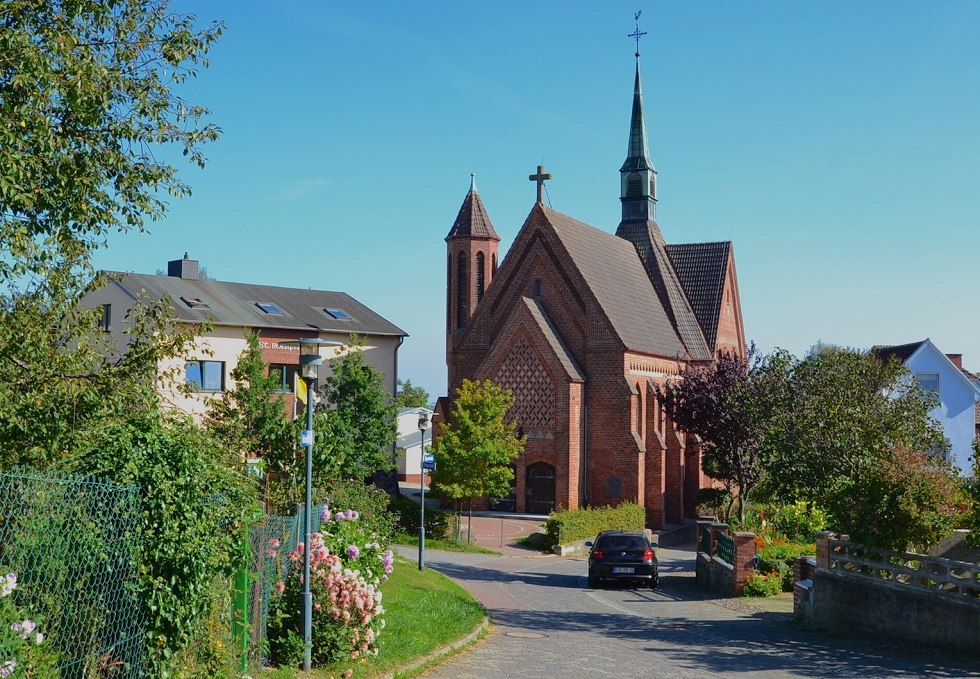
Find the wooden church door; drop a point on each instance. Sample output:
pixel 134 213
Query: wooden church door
pixel 540 488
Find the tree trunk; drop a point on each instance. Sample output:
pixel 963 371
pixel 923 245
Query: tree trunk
pixel 469 523
pixel 456 520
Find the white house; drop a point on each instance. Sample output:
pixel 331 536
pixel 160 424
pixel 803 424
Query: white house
pixel 278 315
pixel 958 393
pixel 408 448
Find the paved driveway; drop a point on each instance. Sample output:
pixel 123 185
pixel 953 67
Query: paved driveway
pixel 548 623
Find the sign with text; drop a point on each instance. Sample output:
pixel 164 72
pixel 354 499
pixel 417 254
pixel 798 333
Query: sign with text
pixel 428 461
pixel 306 438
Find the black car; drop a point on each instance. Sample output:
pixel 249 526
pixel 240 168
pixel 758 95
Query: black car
pixel 622 555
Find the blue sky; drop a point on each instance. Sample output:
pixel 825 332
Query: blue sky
pixel 836 143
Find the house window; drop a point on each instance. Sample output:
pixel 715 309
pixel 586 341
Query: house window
pixel 339 314
pixel 928 381
pixel 195 303
pixel 105 318
pixel 285 375
pixel 270 308
pixel 205 375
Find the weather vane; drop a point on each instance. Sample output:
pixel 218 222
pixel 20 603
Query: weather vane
pixel 637 34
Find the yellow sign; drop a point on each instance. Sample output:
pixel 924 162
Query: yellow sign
pixel 299 387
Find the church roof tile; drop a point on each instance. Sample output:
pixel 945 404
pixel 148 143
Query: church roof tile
pixel 701 269
pixel 472 220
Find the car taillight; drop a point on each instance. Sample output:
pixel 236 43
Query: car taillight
pixel 596 553
pixel 648 554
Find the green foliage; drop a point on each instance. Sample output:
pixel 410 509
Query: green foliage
pixel 572 525
pixel 762 585
pixel 355 425
pixel 476 447
pixel 438 524
pixel 776 556
pixel 410 396
pixel 371 502
pixel 914 500
pixel 713 501
pixel 797 521
pixel 87 97
pixel 24 651
pixel 195 510
pixel 250 418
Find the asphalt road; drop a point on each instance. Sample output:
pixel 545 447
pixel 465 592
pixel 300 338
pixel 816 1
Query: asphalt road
pixel 548 623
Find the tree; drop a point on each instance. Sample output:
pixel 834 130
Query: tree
pixel 729 405
pixel 476 446
pixel 410 396
pixel 355 425
pixel 250 418
pixel 86 101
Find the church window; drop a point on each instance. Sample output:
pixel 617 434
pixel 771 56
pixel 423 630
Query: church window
pixel 638 424
pixel 614 487
pixel 537 288
pixel 493 266
pixel 480 284
pixel 462 292
pixel 653 187
pixel 449 294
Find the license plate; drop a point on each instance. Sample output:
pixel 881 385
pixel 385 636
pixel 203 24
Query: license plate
pixel 622 569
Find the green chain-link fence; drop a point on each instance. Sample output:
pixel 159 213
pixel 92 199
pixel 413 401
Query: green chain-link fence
pixel 72 541
pixel 268 568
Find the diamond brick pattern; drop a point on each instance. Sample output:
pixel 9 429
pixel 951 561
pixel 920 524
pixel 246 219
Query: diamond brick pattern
pixel 534 393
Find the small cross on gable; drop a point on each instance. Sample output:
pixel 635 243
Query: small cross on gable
pixel 540 178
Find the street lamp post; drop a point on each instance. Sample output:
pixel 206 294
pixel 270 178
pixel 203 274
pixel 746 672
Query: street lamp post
pixel 309 360
pixel 423 425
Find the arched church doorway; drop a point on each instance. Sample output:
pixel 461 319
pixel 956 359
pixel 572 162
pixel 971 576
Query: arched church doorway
pixel 540 488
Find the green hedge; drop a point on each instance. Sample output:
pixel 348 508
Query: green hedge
pixel 438 524
pixel 568 526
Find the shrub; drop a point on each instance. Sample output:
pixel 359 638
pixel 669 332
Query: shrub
pixel 568 526
pixel 762 584
pixel 713 502
pixel 798 521
pixel 776 557
pixel 346 569
pixel 370 502
pixel 438 524
pixel 23 649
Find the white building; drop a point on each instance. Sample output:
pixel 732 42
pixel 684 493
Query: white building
pixel 408 448
pixel 232 310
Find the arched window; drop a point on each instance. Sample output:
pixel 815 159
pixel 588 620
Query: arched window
pixel 493 267
pixel 479 277
pixel 462 292
pixel 634 185
pixel 449 292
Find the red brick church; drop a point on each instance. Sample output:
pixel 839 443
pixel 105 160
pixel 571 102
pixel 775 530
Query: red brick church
pixel 581 324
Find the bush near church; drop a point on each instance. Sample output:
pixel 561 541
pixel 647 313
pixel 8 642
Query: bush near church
pixel 568 526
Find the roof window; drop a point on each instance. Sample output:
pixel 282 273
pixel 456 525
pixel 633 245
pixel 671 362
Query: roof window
pixel 269 308
pixel 195 303
pixel 339 314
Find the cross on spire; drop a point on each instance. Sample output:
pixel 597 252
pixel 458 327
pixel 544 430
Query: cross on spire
pixel 540 178
pixel 637 34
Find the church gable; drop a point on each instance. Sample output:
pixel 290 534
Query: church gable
pixel 702 269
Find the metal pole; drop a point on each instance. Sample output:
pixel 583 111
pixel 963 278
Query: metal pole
pixel 422 504
pixel 307 520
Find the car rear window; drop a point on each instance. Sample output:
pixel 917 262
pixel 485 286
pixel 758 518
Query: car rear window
pixel 622 542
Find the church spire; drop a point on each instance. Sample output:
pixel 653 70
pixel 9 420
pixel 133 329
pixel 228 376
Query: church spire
pixel 638 176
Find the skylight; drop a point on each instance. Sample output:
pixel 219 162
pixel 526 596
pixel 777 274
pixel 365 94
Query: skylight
pixel 269 308
pixel 339 314
pixel 195 303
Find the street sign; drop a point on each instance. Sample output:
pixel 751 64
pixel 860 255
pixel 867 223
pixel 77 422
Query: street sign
pixel 428 461
pixel 306 438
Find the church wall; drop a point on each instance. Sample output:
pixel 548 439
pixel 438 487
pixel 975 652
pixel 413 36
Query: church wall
pixel 731 333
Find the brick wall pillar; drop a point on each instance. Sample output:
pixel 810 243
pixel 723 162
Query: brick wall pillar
pixel 803 567
pixel 744 559
pixel 823 548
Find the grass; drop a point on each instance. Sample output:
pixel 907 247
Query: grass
pixel 443 545
pixel 424 611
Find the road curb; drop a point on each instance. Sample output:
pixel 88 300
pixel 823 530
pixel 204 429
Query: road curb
pixel 444 650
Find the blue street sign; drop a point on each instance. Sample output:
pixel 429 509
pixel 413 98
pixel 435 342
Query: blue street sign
pixel 306 438
pixel 428 461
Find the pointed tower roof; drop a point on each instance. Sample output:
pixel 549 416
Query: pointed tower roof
pixel 472 220
pixel 638 155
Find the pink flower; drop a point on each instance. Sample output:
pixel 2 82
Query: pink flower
pixel 271 553
pixel 348 674
pixel 280 587
pixel 274 543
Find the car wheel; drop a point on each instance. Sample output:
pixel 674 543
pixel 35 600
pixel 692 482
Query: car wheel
pixel 593 582
pixel 655 583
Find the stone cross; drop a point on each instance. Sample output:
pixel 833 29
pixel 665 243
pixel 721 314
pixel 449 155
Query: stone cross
pixel 540 178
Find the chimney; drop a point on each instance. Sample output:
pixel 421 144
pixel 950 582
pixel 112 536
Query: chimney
pixel 185 268
pixel 956 359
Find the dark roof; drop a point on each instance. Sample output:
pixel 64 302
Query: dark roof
pixel 554 340
pixel 701 269
pixel 649 243
pixel 900 351
pixel 617 278
pixel 472 220
pixel 236 304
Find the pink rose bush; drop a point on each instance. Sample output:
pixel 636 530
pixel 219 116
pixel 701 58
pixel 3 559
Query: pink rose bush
pixel 346 570
pixel 23 652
